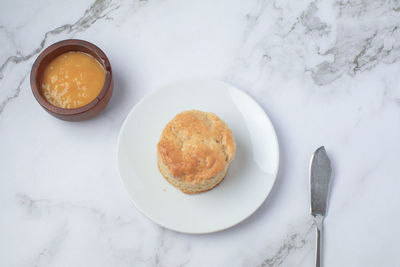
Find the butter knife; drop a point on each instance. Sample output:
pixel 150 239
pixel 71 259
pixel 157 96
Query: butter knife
pixel 320 178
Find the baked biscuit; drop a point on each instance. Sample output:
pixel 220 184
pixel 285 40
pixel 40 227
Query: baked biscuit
pixel 195 150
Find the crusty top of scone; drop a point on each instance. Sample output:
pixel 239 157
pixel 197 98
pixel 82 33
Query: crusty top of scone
pixel 196 145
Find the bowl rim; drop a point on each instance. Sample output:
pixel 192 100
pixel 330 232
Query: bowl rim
pixel 61 45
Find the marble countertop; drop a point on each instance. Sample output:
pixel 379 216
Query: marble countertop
pixel 327 72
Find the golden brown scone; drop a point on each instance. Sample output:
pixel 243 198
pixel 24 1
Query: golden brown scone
pixel 195 150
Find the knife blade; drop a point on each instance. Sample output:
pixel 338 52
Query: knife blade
pixel 320 179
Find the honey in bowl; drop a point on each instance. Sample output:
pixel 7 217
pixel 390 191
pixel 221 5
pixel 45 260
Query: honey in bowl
pixel 72 80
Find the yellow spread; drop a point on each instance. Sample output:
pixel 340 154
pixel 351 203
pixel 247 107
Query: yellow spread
pixel 72 80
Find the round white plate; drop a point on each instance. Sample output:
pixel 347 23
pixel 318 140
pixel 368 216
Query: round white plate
pixel 250 176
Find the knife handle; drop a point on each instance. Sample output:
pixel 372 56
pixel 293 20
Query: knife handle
pixel 319 222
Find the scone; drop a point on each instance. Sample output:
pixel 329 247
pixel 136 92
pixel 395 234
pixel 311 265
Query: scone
pixel 195 150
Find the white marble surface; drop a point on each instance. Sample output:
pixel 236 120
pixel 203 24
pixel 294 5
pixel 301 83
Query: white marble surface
pixel 327 72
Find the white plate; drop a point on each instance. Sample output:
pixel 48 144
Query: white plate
pixel 251 174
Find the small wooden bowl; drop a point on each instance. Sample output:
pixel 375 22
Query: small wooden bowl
pixel 75 114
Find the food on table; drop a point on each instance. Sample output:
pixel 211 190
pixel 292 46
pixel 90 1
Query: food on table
pixel 195 150
pixel 72 80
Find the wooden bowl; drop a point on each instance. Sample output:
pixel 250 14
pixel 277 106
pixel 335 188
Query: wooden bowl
pixel 86 111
